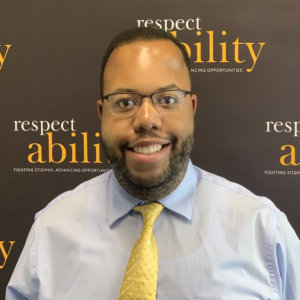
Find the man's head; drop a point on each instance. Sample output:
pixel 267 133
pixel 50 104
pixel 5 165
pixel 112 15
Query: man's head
pixel 148 140
pixel 139 34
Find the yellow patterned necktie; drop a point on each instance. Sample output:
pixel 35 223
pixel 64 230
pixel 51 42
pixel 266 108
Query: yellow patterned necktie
pixel 140 279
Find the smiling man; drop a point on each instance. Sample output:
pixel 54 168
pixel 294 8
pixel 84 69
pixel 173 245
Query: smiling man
pixel 149 138
pixel 156 226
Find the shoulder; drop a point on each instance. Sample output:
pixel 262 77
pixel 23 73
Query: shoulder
pixel 237 207
pixel 231 192
pixel 89 191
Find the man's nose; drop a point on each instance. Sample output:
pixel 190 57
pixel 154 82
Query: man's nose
pixel 147 117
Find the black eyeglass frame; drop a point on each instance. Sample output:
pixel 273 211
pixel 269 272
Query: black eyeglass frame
pixel 185 92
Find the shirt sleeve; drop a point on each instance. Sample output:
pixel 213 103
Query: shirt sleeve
pixel 287 250
pixel 24 283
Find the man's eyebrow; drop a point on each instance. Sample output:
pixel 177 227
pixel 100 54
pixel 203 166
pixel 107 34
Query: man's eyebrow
pixel 162 88
pixel 168 87
pixel 124 90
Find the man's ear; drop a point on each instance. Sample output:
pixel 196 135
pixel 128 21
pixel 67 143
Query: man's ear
pixel 194 102
pixel 100 107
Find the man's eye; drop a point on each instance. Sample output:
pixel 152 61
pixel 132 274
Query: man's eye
pixel 126 103
pixel 167 100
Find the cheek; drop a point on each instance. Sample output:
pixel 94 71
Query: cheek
pixel 181 125
pixel 108 130
pixel 114 131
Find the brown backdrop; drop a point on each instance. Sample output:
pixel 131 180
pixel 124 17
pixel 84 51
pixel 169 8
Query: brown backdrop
pixel 50 73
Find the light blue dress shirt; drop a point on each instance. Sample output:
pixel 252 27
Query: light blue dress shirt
pixel 216 241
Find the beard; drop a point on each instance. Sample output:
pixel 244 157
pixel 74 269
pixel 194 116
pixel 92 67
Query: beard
pixel 152 189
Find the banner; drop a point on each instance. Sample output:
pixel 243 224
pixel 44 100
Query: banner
pixel 244 69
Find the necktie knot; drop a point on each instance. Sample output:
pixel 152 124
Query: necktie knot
pixel 150 212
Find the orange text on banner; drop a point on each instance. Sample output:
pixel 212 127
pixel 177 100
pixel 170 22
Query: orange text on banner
pixel 212 47
pixel 61 152
pixel 4 252
pixel 290 158
pixel 3 56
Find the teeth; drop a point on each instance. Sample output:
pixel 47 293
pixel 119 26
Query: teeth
pixel 147 150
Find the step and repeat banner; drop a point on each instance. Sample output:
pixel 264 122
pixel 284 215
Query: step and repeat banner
pixel 244 67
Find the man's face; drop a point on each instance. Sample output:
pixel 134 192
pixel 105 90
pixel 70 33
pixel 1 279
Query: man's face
pixel 145 145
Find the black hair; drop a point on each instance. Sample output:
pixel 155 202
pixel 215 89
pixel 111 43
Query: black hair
pixel 139 34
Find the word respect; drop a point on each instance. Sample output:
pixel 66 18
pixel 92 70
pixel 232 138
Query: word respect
pixel 44 126
pixel 169 24
pixel 287 127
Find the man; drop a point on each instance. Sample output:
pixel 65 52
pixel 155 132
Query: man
pixel 212 239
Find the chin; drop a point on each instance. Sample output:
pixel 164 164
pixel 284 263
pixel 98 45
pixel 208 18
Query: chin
pixel 148 179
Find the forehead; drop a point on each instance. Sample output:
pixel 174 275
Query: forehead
pixel 145 65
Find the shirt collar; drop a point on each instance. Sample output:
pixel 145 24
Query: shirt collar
pixel 180 201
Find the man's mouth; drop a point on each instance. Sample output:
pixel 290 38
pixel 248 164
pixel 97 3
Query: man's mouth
pixel 148 154
pixel 148 150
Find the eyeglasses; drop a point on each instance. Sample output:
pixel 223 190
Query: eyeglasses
pixel 129 103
